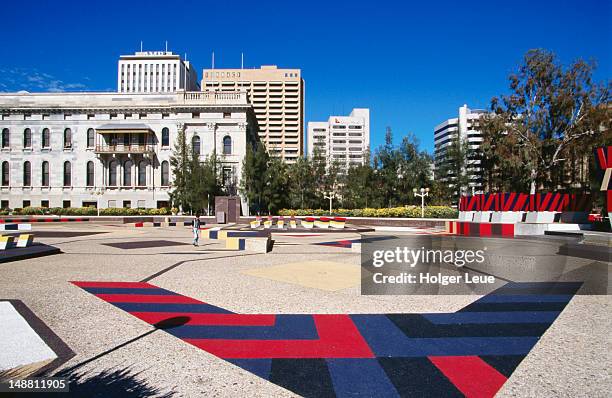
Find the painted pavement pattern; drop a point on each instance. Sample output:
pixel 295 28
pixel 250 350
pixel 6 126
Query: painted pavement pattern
pixel 471 352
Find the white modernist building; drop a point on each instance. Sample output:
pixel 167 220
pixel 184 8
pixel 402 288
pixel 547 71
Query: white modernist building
pixel 155 72
pixel 112 149
pixel 345 139
pixel 466 127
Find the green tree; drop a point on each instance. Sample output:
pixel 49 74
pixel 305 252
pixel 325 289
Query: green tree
pixel 302 186
pixel 453 170
pixel 276 185
pixel 179 161
pixel 255 176
pixel 358 188
pixel 552 115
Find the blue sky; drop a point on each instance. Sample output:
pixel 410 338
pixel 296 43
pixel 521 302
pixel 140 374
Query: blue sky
pixel 413 65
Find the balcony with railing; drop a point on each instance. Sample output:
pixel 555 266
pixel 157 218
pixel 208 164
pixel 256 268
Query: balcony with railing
pixel 125 149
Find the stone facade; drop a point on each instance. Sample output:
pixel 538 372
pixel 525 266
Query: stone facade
pixel 132 134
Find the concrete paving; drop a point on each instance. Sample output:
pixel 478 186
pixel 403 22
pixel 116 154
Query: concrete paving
pixel 572 358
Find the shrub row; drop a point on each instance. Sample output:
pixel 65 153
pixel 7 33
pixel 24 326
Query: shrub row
pixel 88 211
pixel 403 212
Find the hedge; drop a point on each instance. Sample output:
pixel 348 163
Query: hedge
pixel 403 212
pixel 88 211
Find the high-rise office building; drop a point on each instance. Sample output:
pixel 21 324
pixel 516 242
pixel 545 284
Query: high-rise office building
pixel 277 96
pixel 345 139
pixel 466 128
pixel 155 72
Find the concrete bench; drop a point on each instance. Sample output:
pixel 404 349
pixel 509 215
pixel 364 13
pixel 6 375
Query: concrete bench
pixel 322 222
pixel 6 242
pixel 251 244
pixel 308 222
pixel 23 240
pixel 337 222
pixel 15 227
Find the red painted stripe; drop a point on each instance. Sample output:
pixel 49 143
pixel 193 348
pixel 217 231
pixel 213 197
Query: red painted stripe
pixel 338 338
pixel 148 298
pixel 601 157
pixel 507 230
pixel 485 229
pixel 471 375
pixel 210 319
pixel 555 202
pixel 137 285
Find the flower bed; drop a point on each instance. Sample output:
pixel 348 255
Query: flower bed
pixel 88 211
pixel 392 212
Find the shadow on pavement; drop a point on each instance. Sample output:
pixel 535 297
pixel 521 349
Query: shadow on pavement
pixel 107 383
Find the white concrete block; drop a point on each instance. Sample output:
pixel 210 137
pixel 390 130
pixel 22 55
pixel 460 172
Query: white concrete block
pixel 22 351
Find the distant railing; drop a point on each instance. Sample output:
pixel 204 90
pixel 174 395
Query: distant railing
pixel 124 148
pixel 215 97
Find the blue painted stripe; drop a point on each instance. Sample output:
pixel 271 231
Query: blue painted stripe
pixel 120 290
pixel 387 340
pixel 362 377
pixel 179 308
pixel 526 298
pixel 259 367
pixel 286 327
pixel 493 317
pixel 543 285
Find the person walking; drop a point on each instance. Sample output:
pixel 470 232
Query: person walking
pixel 195 225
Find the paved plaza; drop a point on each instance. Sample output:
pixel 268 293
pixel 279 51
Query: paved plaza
pixel 116 293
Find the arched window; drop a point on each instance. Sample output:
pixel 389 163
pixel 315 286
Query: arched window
pixel 6 141
pixel 27 174
pixel 142 174
pixel 90 174
pixel 46 138
pixel 67 138
pixel 45 174
pixel 165 173
pixel 5 174
pixel 195 144
pixel 112 174
pixel 67 174
pixel 227 145
pixel 91 140
pixel 165 136
pixel 27 138
pixel 127 173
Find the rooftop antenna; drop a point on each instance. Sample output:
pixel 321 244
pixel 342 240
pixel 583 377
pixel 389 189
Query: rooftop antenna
pixel 241 60
pixel 166 45
pixel 141 46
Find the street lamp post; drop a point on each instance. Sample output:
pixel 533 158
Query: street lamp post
pixel 330 195
pixel 424 192
pixel 98 193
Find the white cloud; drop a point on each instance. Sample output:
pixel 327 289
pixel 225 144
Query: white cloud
pixel 30 79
